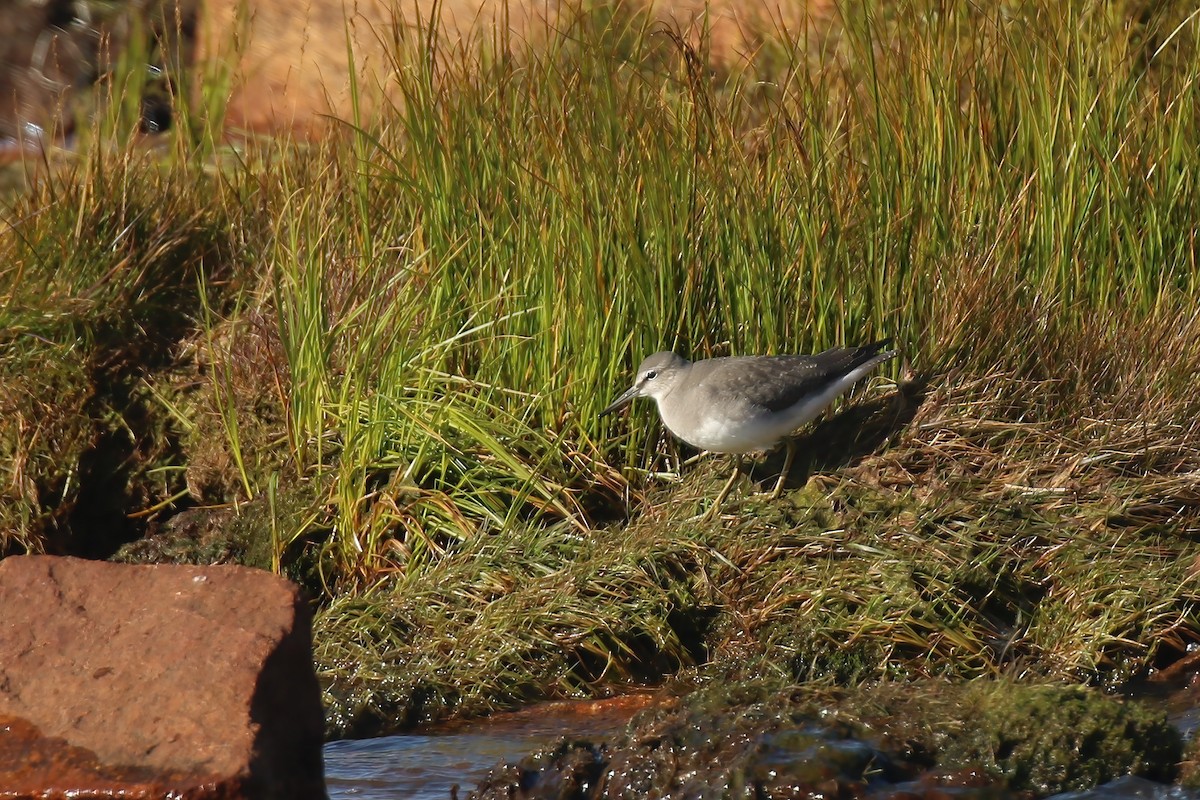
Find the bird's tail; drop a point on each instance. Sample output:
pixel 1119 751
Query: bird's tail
pixel 875 352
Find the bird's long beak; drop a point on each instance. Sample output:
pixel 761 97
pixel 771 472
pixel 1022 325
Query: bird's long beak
pixel 625 399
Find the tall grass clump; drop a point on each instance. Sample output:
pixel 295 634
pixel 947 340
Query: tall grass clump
pixel 108 259
pixel 98 285
pixel 1009 193
pixel 444 298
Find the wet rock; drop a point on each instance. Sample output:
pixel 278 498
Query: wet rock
pixel 193 536
pixel 925 739
pixel 1130 788
pixel 755 751
pixel 197 679
pixel 41 63
pixel 46 768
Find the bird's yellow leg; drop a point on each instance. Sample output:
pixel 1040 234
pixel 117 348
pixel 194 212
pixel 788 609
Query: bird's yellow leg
pixel 787 467
pixel 737 468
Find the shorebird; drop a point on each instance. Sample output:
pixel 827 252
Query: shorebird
pixel 747 404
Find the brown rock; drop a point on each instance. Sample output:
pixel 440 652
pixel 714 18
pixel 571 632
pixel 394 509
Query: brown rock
pixel 198 675
pixel 39 767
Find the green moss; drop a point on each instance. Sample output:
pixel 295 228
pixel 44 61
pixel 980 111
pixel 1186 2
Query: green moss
pixel 1051 739
pixel 868 583
pixel 813 657
pixel 1041 738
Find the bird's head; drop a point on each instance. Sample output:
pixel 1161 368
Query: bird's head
pixel 656 377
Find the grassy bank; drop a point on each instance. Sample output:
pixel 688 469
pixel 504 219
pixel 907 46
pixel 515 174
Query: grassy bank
pixel 387 352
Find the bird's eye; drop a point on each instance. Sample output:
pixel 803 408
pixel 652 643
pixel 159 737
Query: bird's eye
pixel 651 375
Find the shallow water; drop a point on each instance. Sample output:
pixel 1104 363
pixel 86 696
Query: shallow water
pixel 424 766
pixel 415 766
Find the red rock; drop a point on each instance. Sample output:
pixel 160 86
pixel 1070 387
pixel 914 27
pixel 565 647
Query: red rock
pixel 195 680
pixel 43 768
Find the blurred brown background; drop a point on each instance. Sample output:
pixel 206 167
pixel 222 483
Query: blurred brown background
pixel 287 62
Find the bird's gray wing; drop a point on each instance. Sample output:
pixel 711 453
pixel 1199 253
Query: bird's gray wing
pixel 779 382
